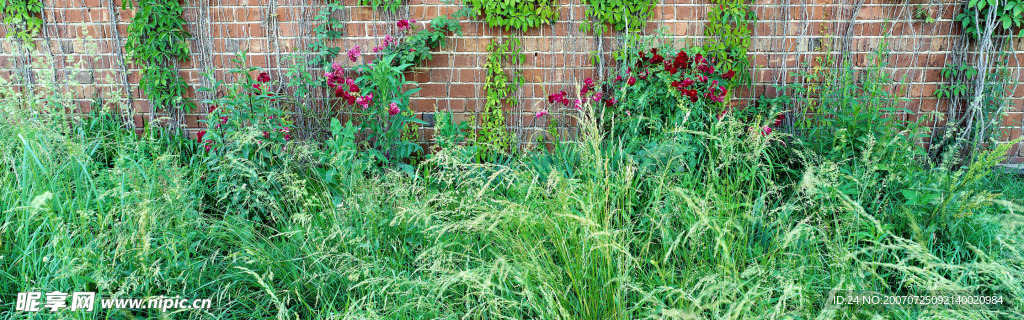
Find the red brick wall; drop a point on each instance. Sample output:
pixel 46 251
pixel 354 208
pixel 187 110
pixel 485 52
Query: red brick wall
pixel 785 38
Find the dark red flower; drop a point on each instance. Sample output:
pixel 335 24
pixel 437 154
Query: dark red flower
pixel 631 80
pixel 213 107
pixel 264 77
pixel 729 75
pixel 200 134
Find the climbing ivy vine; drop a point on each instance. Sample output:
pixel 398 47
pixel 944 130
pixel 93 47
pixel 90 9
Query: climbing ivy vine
pixel 156 38
pixel 386 5
pixel 728 34
pixel 22 18
pixel 494 138
pixel 1008 14
pixel 515 14
pixel 629 15
pixel 325 33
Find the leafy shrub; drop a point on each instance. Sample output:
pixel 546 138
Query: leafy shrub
pixel 654 93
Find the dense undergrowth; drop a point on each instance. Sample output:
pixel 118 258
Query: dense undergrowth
pixel 712 217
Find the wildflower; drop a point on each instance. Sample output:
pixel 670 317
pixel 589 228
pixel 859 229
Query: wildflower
pixel 631 80
pixel 558 97
pixel 699 59
pixel 353 88
pixel 266 134
pixel 287 137
pixel 207 147
pixel 403 24
pixel 350 81
pixel 388 40
pixel 541 113
pixel 597 96
pixel 610 102
pixel 223 120
pixel 766 130
pixel 256 86
pixel 778 119
pixel 393 110
pixel 682 60
pixel 212 108
pixel 578 105
pixel 618 78
pixel 729 75
pixel 377 49
pixel 656 58
pixel 721 115
pixel 200 134
pixel 365 101
pixel 354 53
pixel 692 94
pixel 687 82
pixel 629 114
pixel 264 77
pixel 643 75
pixel 706 68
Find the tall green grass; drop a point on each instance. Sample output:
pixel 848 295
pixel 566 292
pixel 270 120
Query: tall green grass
pixel 586 232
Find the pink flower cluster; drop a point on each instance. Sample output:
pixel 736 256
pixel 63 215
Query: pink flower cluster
pixel 587 91
pixel 403 25
pixel 346 88
pixel 691 75
pixel 354 54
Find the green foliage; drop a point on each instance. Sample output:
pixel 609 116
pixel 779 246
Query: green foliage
pixel 494 139
pixel 622 15
pixel 761 226
pixel 854 106
pixel 728 32
pixel 449 134
pixel 416 48
pixel 156 38
pixel 960 88
pixel 671 91
pixel 326 32
pixel 515 14
pixel 21 17
pixel 1008 15
pixel 243 144
pixel 384 5
pixel 386 82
